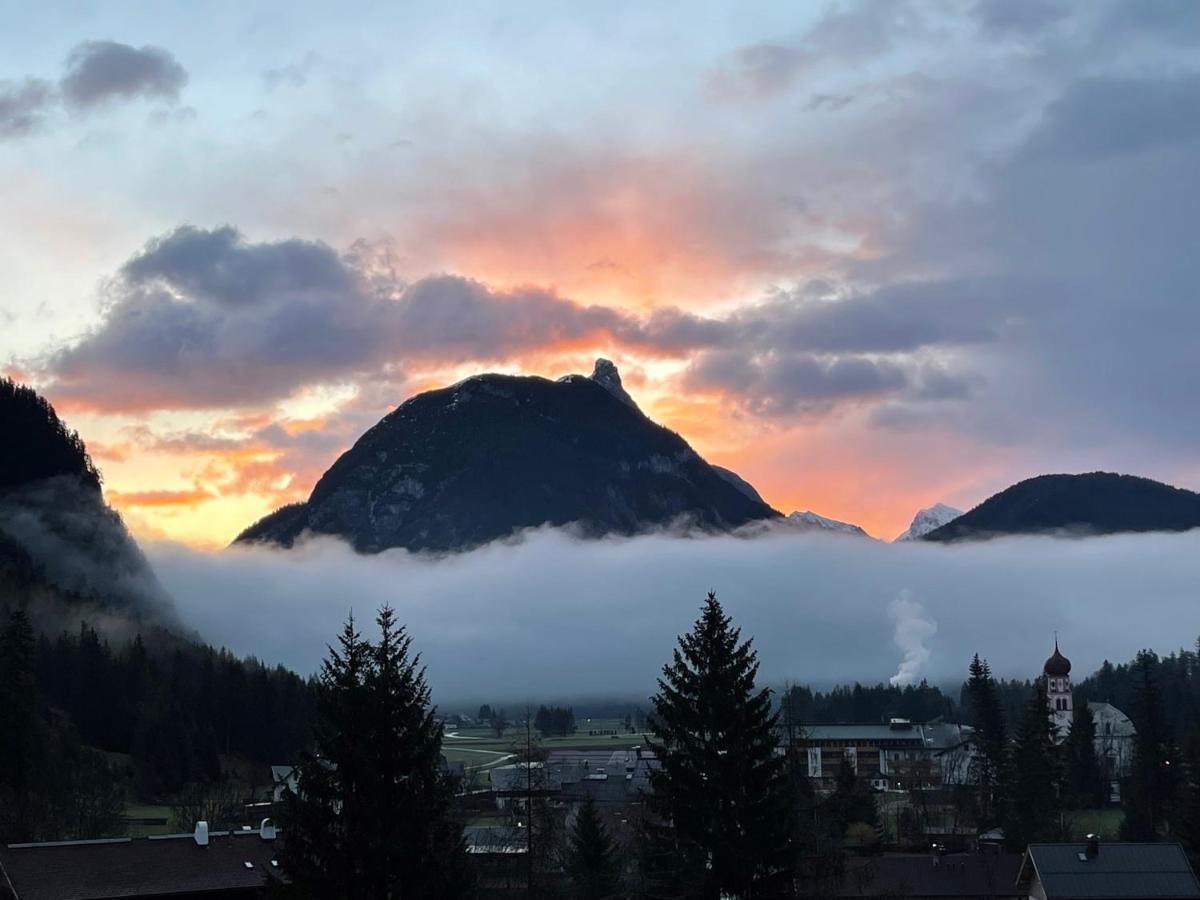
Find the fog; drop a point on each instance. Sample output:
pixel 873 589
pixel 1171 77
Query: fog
pixel 553 617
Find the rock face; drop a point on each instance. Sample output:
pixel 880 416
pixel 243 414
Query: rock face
pixel 926 520
pixel 455 468
pixel 1095 503
pixel 811 521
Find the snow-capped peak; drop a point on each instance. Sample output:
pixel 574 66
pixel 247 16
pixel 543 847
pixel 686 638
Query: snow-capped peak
pixel 926 520
pixel 810 520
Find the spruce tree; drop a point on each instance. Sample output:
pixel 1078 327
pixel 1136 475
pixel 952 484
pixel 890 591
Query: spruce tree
pixel 991 738
pixel 591 859
pixel 371 818
pixel 1084 781
pixel 1033 775
pixel 1151 783
pixel 720 796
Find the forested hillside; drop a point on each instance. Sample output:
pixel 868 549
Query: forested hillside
pixel 104 697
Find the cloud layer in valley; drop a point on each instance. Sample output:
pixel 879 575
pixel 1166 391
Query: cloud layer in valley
pixel 552 616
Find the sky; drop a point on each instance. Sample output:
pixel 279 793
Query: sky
pixel 870 255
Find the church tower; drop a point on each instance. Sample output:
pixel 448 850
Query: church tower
pixel 1057 676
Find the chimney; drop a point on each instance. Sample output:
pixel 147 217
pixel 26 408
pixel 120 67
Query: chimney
pixel 1093 846
pixel 201 833
pixel 266 830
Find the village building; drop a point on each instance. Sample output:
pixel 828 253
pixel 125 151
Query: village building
pixel 898 756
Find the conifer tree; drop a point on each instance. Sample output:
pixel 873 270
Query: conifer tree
pixel 371 818
pixel 1084 782
pixel 591 860
pixel 720 796
pixel 1033 774
pixel 987 718
pixel 1151 782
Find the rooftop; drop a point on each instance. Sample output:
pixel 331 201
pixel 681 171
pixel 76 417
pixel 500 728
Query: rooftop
pixel 915 875
pixel 1118 870
pixel 142 867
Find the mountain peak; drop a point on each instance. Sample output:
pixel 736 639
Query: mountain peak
pixel 929 519
pixel 605 374
pixel 811 521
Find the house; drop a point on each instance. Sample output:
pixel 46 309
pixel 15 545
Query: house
pixel 283 779
pixel 909 875
pixel 219 865
pixel 1115 736
pixel 1098 869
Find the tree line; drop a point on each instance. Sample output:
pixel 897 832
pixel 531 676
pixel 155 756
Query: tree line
pixel 136 722
pixel 555 721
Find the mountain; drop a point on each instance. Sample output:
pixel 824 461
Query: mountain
pixel 810 521
pixel 455 468
pixel 59 540
pixel 928 519
pixel 1095 503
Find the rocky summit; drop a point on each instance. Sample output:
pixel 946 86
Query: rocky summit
pixel 455 468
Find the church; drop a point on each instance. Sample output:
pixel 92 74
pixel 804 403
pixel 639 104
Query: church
pixel 1114 730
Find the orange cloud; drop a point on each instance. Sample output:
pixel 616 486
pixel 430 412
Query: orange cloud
pixel 159 498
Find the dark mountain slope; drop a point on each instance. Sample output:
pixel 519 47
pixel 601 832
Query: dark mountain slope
pixel 458 467
pixel 1095 503
pixel 57 535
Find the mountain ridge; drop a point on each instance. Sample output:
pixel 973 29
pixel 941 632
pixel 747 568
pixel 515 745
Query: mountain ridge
pixel 1076 504
pixel 457 467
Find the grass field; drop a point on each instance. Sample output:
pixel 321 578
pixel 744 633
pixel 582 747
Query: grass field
pixel 479 749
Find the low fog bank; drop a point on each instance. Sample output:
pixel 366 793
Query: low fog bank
pixel 554 617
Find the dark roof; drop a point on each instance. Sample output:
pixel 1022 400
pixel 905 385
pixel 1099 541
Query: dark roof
pixel 915 875
pixel 1057 665
pixel 1119 870
pixel 142 867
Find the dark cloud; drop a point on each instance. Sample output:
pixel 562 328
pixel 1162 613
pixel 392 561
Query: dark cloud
pixel 203 318
pixel 1103 117
pixel 843 35
pixel 1165 21
pixel 23 106
pixel 98 72
pixel 1006 18
pixel 758 70
pixel 782 384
